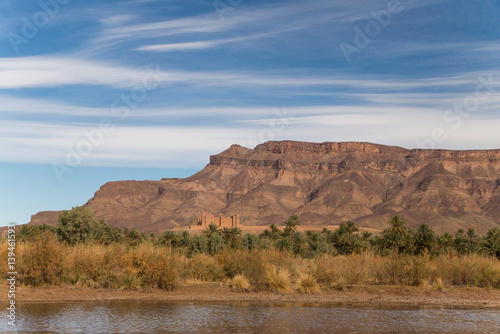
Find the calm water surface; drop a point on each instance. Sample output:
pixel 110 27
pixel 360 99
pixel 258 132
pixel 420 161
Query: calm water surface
pixel 198 317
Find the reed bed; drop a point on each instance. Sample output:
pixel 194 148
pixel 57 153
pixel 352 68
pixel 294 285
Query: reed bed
pixel 47 262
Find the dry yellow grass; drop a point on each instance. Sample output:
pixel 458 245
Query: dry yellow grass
pixel 278 280
pixel 239 283
pixel 46 262
pixel 306 283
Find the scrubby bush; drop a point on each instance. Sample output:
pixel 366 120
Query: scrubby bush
pixel 204 268
pixel 239 283
pixel 306 283
pixel 278 280
pixel 41 261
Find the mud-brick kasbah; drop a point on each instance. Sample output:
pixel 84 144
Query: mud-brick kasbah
pixel 206 219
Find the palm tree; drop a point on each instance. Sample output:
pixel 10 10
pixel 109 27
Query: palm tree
pixel 365 240
pixel 365 235
pixel 344 240
pixel 291 225
pixel 444 242
pixel 299 241
pixel 168 238
pixel 459 241
pixel 231 235
pixel 471 240
pixel 185 238
pixel 494 233
pixel 398 225
pixel 425 238
pixel 215 243
pixel 392 240
pixel 318 243
pixel 211 229
pixel 492 247
pixel 351 228
pixel 250 241
pixel 491 243
pixel 395 236
pixel 275 231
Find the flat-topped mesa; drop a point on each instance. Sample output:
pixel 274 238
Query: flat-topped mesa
pixel 313 157
pixel 289 146
pixel 328 157
pixel 492 155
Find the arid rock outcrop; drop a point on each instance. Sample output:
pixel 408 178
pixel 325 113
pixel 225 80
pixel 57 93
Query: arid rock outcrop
pixel 324 184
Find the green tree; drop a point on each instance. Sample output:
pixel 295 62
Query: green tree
pixel 272 233
pixel 491 242
pixel 106 234
pixel 351 228
pixel 231 236
pixel 318 244
pixel 250 241
pixel 299 243
pixel 471 241
pixel 134 237
pixel 198 244
pixel 185 239
pixel 169 238
pixel 396 236
pixel 366 240
pixel 210 229
pixel 291 225
pixel 425 239
pixel 29 232
pixel 459 242
pixel 284 244
pixel 444 243
pixel 78 225
pixel 398 225
pixel 215 243
pixel 345 240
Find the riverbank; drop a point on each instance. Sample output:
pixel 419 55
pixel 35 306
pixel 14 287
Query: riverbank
pixel 217 292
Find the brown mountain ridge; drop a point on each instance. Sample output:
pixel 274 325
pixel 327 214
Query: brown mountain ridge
pixel 324 183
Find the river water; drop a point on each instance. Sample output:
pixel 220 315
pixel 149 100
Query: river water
pixel 242 317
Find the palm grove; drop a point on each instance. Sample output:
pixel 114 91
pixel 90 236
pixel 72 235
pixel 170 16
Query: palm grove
pixel 84 250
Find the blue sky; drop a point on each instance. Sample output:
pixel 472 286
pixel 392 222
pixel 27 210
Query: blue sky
pixel 94 91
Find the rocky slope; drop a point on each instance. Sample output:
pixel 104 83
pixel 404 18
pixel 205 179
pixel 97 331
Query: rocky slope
pixel 324 184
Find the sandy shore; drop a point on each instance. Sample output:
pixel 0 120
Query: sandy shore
pixel 214 292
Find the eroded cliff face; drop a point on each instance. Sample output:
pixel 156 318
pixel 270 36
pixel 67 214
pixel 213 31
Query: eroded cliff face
pixel 324 184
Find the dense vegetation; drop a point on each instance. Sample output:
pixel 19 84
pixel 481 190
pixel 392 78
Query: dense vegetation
pixel 85 251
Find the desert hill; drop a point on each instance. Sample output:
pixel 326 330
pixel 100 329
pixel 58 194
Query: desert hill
pixel 324 183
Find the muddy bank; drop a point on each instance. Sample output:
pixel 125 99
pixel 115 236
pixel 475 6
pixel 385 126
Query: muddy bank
pixel 213 292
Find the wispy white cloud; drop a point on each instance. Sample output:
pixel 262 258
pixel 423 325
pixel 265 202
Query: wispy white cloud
pixel 115 20
pixel 205 23
pixel 16 105
pixel 45 71
pixel 264 20
pixel 147 146
pixel 368 109
pixel 175 146
pixel 52 71
pixel 180 46
pixel 198 45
